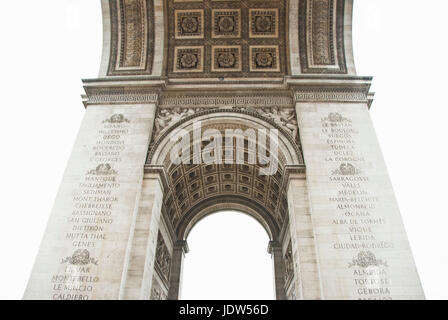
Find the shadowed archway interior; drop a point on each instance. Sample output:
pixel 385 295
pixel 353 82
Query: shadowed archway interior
pixel 227 259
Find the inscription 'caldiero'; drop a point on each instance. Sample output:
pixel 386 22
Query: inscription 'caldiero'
pixel 94 210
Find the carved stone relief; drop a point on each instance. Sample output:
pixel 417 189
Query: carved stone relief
pixel 163 258
pixel 289 265
pixel 132 41
pixel 157 293
pixel 285 118
pixel 321 28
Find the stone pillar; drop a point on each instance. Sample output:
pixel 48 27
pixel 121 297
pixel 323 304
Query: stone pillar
pixel 179 251
pixel 305 265
pixel 141 258
pixel 83 253
pixel 275 249
pixel 362 247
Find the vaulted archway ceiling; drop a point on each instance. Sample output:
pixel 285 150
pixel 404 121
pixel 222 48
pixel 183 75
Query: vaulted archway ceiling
pixel 227 38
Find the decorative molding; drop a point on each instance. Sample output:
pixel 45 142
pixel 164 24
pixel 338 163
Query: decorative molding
pixel 132 40
pixel 80 257
pixel 260 99
pixel 264 59
pixel 263 23
pixel 321 36
pixel 346 169
pixel 319 94
pixel 226 58
pixel 189 24
pixel 124 94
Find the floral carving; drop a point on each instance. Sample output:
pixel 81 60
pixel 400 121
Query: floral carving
pixel 263 23
pixel 264 58
pixel 226 24
pixel 80 257
pixel 346 169
pixel 366 259
pixel 335 117
pixel 190 24
pixel 117 118
pixel 189 60
pixel 226 60
pixel 103 169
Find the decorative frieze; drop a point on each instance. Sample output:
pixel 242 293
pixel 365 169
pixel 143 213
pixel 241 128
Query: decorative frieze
pixel 260 99
pixel 115 95
pixel 315 94
pixel 321 29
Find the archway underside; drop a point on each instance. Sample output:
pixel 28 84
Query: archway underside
pixel 226 39
pixel 195 189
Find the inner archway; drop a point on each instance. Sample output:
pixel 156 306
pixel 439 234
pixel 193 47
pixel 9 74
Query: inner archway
pixel 228 259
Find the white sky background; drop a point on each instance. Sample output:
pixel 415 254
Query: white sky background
pixel 49 45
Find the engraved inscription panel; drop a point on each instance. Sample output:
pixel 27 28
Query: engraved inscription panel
pixel 359 232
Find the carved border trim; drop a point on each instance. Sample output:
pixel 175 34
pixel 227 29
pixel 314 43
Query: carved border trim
pixel 335 38
pixel 113 95
pixel 331 95
pixel 258 100
pixel 119 39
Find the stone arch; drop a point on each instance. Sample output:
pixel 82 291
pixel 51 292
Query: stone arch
pixel 195 190
pixel 160 144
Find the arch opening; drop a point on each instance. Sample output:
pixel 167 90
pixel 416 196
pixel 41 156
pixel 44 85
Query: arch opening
pixel 228 259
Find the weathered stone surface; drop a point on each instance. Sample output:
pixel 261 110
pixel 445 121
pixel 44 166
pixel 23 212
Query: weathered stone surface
pixel 124 211
pixel 362 248
pixel 83 252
